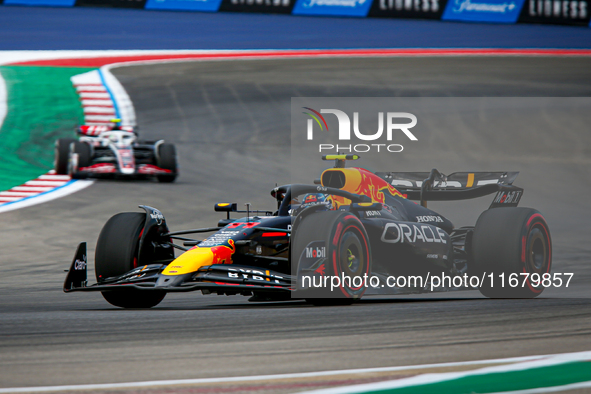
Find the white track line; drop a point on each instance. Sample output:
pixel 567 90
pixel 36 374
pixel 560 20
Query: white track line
pixel 107 386
pixel 9 57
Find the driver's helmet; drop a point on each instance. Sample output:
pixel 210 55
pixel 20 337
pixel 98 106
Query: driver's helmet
pixel 311 199
pixel 116 124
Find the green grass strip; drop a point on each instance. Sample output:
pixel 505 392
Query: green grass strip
pixel 555 375
pixel 42 107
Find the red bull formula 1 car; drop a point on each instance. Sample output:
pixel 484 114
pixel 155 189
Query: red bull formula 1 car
pixel 352 223
pixel 109 151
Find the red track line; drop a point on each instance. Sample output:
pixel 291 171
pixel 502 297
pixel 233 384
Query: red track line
pixel 101 61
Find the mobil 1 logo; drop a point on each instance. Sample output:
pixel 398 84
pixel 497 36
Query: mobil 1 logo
pixel 311 257
pixel 425 9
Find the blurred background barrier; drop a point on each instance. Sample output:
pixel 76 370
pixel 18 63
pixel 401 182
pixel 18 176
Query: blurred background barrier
pixel 184 5
pixel 52 3
pixel 112 3
pixel 358 8
pixel 496 11
pixel 420 9
pixel 560 12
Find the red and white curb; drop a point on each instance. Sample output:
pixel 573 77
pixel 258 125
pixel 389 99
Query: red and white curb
pixel 95 99
pixel 103 98
pixel 45 188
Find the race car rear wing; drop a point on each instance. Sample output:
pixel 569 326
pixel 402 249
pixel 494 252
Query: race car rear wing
pixel 95 131
pixel 435 186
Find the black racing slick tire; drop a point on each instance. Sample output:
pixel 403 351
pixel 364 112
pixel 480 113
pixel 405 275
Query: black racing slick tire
pixel 167 160
pixel 512 243
pixel 116 253
pixel 84 153
pixel 62 155
pixel 346 253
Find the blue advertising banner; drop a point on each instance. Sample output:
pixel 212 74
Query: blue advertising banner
pixel 423 9
pixel 265 6
pixel 184 5
pixel 560 12
pixel 499 11
pixel 358 8
pixel 55 3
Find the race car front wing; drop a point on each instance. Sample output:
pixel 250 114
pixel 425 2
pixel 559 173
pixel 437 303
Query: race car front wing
pixel 223 279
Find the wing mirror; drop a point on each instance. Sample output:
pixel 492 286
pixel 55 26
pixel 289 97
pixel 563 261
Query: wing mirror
pixel 226 207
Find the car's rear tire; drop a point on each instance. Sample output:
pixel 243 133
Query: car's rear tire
pixel 116 253
pixel 84 153
pixel 62 155
pixel 511 241
pixel 167 160
pixel 347 251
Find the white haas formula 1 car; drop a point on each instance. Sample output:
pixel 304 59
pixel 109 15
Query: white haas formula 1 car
pixel 111 151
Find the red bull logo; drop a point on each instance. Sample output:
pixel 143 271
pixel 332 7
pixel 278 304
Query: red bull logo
pixel 222 254
pixel 374 187
pixel 362 182
pixel 198 257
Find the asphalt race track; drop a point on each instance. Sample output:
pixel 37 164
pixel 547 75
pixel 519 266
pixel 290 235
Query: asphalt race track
pixel 231 121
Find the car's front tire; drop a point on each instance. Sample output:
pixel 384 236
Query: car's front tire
pixel 62 155
pixel 116 253
pixel 167 160
pixel 84 158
